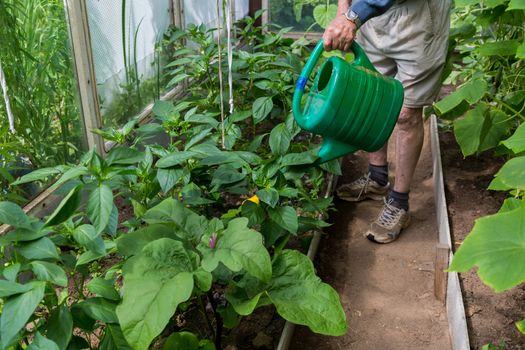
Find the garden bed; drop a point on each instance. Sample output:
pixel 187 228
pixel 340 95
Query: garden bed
pixel 490 316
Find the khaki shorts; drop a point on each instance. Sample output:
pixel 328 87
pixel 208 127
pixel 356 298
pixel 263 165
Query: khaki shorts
pixel 409 42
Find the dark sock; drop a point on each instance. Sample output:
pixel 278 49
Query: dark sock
pixel 400 199
pixel 379 173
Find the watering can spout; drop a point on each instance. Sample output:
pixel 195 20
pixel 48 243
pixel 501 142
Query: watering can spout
pixel 333 149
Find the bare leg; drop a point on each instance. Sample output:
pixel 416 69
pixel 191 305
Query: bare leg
pixel 410 134
pixel 409 141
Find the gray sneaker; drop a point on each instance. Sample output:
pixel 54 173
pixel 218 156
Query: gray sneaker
pixel 361 189
pixel 388 225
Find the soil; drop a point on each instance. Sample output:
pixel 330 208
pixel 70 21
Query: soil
pixel 490 316
pixel 387 290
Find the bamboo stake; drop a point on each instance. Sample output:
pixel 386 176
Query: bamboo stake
pixel 10 116
pixel 220 74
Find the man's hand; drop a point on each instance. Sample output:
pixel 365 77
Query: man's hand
pixel 339 35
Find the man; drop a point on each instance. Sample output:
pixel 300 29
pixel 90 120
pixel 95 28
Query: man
pixel 405 39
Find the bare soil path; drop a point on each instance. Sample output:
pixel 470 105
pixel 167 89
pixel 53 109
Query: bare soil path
pixel 387 290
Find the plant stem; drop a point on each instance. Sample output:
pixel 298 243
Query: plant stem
pixel 210 326
pixel 218 321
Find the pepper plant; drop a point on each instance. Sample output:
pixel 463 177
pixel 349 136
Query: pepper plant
pixel 214 207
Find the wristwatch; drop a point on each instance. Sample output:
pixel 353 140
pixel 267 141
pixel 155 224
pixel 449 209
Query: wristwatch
pixel 353 17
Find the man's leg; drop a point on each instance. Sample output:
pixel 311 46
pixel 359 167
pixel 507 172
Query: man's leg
pixel 409 142
pixel 394 215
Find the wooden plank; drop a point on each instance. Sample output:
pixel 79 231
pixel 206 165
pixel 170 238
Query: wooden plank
pixel 457 321
pixel 440 276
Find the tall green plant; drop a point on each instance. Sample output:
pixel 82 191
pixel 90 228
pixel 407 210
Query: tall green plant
pixel 36 59
pixel 487 111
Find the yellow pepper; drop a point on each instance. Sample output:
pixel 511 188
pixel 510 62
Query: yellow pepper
pixel 254 199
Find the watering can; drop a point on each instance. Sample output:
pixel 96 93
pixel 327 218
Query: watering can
pixel 350 104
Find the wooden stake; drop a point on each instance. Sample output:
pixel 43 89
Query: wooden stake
pixel 440 276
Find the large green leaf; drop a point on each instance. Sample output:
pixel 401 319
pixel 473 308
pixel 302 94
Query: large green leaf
pixel 498 48
pixel 60 326
pixel 71 174
pixel 46 271
pixel 269 196
pixel 169 177
pixel 298 158
pixel 124 155
pixel 37 175
pixel 133 242
pixel 226 174
pixel 175 158
pixel 36 231
pixel 67 206
pixel 324 14
pixel 155 283
pixel 103 288
pixel 261 108
pixel 8 288
pixel 171 211
pixel 516 5
pixel 480 129
pixel 302 298
pixel 89 255
pixel 286 217
pixel 472 91
pixel 496 245
pixel 114 339
pixel 517 141
pixel 17 310
pixel 12 214
pixel 280 138
pixel 99 309
pixel 511 175
pixel 41 249
pixel 88 237
pixel 42 343
pixel 520 51
pixel 239 247
pixel 99 206
pixel 181 340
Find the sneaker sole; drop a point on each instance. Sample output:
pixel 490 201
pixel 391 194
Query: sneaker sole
pixel 405 225
pixel 375 197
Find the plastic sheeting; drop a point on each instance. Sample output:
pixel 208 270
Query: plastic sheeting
pixel 147 19
pixel 203 11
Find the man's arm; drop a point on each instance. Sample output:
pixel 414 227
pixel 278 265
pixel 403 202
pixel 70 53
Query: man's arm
pixel 367 9
pixel 340 34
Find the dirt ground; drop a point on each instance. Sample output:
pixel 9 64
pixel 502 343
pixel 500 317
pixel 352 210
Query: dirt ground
pixel 387 290
pixel 490 316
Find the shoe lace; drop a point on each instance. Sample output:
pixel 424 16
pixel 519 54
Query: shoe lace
pixel 390 214
pixel 364 181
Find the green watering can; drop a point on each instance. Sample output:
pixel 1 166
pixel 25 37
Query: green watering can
pixel 351 105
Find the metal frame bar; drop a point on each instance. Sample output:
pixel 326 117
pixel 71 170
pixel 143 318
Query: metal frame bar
pixel 80 38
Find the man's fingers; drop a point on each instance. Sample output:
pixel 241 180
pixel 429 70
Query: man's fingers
pixel 327 43
pixel 347 47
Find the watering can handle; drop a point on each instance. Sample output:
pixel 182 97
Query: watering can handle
pixel 360 59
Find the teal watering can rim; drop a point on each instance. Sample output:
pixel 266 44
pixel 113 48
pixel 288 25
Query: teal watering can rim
pixel 360 59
